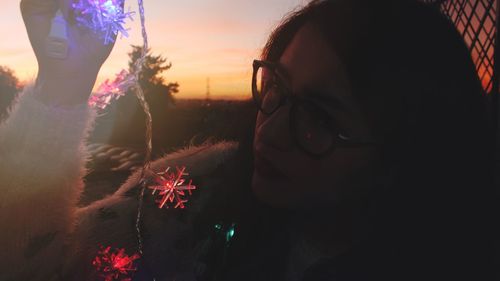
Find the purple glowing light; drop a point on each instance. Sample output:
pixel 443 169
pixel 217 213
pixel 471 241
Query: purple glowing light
pixel 105 17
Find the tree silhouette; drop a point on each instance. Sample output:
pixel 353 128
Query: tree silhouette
pixel 150 77
pixel 124 120
pixel 9 87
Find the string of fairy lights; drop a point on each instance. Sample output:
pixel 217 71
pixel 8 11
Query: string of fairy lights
pixel 107 18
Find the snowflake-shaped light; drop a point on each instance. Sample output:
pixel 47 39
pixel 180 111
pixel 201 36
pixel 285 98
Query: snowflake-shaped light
pixel 105 17
pixel 112 90
pixel 114 265
pixel 171 188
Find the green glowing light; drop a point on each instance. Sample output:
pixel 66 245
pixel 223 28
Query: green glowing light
pixel 230 233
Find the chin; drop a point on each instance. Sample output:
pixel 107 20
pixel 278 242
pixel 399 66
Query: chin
pixel 273 192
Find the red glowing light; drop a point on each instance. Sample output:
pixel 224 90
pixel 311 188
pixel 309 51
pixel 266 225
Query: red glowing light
pixel 171 188
pixel 114 265
pixel 110 90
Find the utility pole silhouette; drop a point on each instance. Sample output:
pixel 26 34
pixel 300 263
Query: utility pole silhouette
pixel 208 88
pixel 207 98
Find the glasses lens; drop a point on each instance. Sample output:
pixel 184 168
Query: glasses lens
pixel 266 90
pixel 313 131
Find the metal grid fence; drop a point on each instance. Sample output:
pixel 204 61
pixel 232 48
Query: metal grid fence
pixel 476 21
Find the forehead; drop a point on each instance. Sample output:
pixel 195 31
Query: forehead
pixel 311 62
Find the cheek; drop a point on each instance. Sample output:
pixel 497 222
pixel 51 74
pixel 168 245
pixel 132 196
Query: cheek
pixel 356 175
pixel 344 174
pixel 308 182
pixel 258 121
pixel 257 137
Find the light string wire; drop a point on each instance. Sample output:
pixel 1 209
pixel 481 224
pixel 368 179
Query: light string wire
pixel 149 126
pixel 91 13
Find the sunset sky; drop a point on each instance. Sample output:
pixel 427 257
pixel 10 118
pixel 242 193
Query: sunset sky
pixel 215 39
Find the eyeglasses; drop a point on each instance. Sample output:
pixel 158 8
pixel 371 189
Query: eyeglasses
pixel 312 128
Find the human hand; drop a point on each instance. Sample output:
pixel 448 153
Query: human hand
pixel 66 81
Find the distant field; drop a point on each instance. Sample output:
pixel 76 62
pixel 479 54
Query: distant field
pixel 175 126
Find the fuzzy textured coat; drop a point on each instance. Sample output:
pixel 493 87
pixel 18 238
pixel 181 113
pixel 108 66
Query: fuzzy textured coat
pixel 45 236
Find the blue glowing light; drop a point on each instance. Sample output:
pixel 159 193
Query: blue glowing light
pixel 105 17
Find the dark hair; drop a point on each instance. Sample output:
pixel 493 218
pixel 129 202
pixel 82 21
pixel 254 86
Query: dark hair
pixel 428 217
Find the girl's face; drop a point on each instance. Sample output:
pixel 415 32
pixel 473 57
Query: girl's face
pixel 286 176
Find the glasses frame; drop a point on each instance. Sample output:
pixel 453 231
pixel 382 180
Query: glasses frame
pixel 286 95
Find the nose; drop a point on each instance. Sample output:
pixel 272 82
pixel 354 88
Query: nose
pixel 274 130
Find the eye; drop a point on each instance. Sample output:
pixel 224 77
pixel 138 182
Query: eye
pixel 312 131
